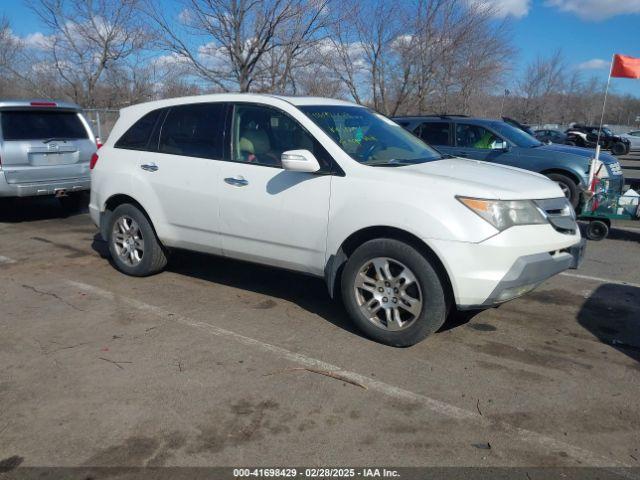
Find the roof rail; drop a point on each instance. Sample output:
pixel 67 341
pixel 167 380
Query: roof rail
pixel 433 115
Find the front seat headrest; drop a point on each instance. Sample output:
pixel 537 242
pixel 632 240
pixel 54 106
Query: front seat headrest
pixel 254 141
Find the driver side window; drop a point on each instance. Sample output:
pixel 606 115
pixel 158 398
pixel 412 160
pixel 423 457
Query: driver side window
pixel 475 136
pixel 261 134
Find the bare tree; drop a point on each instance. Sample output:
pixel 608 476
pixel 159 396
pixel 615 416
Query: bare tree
pixel 542 78
pixel 248 44
pixel 87 37
pixel 418 56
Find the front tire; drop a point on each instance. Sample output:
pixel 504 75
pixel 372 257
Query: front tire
pixel 568 186
pixel 619 149
pixel 393 293
pixel 133 244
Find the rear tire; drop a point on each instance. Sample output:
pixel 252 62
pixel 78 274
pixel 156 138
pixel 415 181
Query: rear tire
pixel 407 295
pixel 568 186
pixel 597 230
pixel 133 244
pixel 618 149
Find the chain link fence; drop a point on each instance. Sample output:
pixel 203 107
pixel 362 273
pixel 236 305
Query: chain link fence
pixel 101 120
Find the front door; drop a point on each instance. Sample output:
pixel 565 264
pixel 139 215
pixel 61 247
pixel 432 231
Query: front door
pixel 267 214
pixel 479 143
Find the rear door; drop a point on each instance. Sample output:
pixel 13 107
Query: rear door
pixel 177 177
pixel 41 145
pixel 436 134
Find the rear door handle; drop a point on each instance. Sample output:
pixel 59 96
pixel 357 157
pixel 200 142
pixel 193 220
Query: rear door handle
pixel 149 167
pixel 238 181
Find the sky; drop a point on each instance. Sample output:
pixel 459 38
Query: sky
pixel 589 32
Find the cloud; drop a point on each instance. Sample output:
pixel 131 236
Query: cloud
pixel 595 10
pixel 170 60
pixel 37 40
pixel 504 8
pixel 594 64
pixel 212 56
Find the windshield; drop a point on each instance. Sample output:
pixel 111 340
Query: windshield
pixel 515 135
pixel 370 138
pixel 607 132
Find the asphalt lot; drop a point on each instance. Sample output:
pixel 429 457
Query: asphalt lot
pixel 217 362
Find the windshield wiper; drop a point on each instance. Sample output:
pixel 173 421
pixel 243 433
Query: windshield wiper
pixel 55 139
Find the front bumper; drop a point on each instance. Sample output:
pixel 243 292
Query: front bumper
pixel 51 187
pixel 507 265
pixel 530 271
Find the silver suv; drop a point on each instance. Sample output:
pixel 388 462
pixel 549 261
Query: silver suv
pixel 45 149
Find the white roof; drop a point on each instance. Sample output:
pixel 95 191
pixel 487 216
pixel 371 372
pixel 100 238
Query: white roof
pixel 237 97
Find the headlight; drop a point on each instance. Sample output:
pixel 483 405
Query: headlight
pixel 503 214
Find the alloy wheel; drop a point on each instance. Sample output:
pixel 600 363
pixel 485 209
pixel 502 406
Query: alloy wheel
pixel 388 294
pixel 127 240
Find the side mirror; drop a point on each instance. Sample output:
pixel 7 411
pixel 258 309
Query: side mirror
pixel 299 161
pixel 500 145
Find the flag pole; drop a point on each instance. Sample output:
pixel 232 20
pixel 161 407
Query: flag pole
pixel 604 104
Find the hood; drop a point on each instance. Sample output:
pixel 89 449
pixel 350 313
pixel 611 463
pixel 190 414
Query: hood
pixel 479 179
pixel 586 153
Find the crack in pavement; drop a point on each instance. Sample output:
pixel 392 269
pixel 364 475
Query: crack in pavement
pixel 54 295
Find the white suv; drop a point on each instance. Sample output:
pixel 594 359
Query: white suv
pixel 332 189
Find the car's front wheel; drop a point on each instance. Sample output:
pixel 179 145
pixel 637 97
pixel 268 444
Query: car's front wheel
pixel 393 293
pixel 568 186
pixel 133 244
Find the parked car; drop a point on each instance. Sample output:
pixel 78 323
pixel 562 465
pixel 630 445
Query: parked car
pixel 551 136
pixel 634 139
pixel 587 136
pixel 45 149
pixel 500 143
pixel 331 189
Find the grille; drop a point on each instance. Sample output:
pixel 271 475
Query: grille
pixel 560 214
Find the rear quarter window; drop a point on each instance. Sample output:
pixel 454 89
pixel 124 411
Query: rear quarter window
pixel 139 134
pixel 42 125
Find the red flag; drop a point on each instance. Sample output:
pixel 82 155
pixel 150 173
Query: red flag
pixel 625 67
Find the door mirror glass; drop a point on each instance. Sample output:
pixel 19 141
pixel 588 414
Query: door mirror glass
pixel 500 144
pixel 299 161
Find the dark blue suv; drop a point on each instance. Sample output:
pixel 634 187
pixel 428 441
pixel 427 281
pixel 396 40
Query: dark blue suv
pixel 499 142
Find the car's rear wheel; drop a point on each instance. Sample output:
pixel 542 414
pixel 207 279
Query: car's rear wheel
pixel 568 186
pixel 393 293
pixel 619 148
pixel 133 244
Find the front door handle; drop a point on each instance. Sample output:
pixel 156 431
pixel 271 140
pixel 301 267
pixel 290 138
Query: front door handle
pixel 238 181
pixel 149 167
